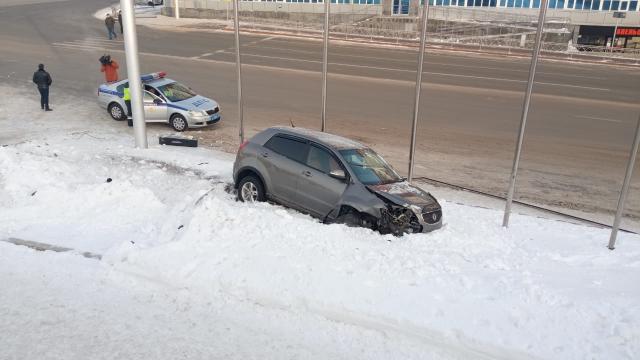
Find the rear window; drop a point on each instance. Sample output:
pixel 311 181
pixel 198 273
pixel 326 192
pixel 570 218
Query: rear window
pixel 291 148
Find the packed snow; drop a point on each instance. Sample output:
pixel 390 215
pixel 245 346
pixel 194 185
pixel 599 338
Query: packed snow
pixel 186 271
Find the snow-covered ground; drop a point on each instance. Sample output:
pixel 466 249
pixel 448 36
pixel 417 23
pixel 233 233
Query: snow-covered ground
pixel 187 272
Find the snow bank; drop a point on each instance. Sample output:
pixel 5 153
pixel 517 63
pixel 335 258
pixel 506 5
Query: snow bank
pixel 541 288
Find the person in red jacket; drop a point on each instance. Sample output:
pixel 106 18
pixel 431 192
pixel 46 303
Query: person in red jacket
pixel 109 68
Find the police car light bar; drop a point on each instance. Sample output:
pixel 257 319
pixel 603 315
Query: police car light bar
pixel 153 76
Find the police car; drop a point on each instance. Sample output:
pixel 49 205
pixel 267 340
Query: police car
pixel 165 101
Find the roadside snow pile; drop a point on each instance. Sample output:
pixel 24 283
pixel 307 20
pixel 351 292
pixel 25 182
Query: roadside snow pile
pixel 541 288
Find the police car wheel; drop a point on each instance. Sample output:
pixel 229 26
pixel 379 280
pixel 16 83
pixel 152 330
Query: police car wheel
pixel 116 112
pixel 178 123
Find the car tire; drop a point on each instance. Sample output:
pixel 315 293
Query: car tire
pixel 117 112
pixel 351 218
pixel 178 123
pixel 251 189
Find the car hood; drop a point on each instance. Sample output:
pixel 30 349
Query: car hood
pixel 197 103
pixel 403 193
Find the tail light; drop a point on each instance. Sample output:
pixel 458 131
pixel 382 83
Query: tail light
pixel 244 143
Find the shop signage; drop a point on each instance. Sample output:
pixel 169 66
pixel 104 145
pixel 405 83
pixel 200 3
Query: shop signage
pixel 628 32
pixel 619 15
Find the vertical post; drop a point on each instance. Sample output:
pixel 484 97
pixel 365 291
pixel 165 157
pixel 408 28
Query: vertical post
pixel 625 187
pixel 416 103
pixel 615 30
pixel 325 65
pixel 176 7
pixel 133 73
pixel 525 112
pixel 236 22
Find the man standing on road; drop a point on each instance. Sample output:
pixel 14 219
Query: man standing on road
pixel 110 22
pixel 43 80
pixel 120 21
pixel 109 68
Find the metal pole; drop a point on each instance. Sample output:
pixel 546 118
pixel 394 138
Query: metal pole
pixel 325 60
pixel 625 187
pixel 236 22
pixel 525 112
pixel 176 7
pixel 133 73
pixel 615 30
pixel 416 104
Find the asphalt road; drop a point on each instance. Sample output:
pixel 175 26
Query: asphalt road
pixel 580 126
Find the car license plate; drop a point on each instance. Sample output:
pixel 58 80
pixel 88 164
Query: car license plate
pixel 214 117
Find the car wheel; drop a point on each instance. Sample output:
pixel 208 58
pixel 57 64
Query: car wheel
pixel 250 189
pixel 178 123
pixel 116 112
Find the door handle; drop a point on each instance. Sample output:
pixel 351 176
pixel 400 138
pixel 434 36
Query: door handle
pixel 265 155
pixel 306 173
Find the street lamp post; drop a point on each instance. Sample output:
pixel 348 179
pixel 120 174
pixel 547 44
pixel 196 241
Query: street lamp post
pixel 618 15
pixel 133 73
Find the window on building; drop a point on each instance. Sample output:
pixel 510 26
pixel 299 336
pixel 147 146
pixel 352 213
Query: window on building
pixel 560 4
pixel 587 5
pixel 579 4
pixel 570 4
pixel 595 5
pixel 633 5
pixel 536 3
pixel 510 3
pixel 606 5
pixel 623 5
pixel 615 5
pixel 552 4
pixel 503 3
pixel 526 4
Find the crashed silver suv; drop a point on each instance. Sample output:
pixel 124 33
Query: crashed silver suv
pixel 332 178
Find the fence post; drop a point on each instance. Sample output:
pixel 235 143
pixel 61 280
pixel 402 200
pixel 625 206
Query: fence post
pixel 416 104
pixel 325 65
pixel 236 22
pixel 625 187
pixel 525 112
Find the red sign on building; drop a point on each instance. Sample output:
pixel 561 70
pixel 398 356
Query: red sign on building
pixel 628 32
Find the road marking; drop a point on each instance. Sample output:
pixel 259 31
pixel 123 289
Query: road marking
pixel 400 82
pixel 428 62
pixel 599 118
pixel 426 72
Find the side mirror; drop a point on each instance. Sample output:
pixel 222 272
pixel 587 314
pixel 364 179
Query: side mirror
pixel 157 101
pixel 338 174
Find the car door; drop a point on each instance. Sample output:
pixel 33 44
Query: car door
pixel 155 109
pixel 283 157
pixel 317 191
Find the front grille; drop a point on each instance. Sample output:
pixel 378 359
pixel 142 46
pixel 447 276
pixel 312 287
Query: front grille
pixel 211 112
pixel 432 217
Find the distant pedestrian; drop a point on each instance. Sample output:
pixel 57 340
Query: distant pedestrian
pixel 43 80
pixel 110 22
pixel 120 21
pixel 109 67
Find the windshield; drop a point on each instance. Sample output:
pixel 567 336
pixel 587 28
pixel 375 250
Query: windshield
pixel 176 92
pixel 369 167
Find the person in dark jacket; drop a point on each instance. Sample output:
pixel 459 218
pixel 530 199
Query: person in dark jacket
pixel 110 23
pixel 43 80
pixel 120 21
